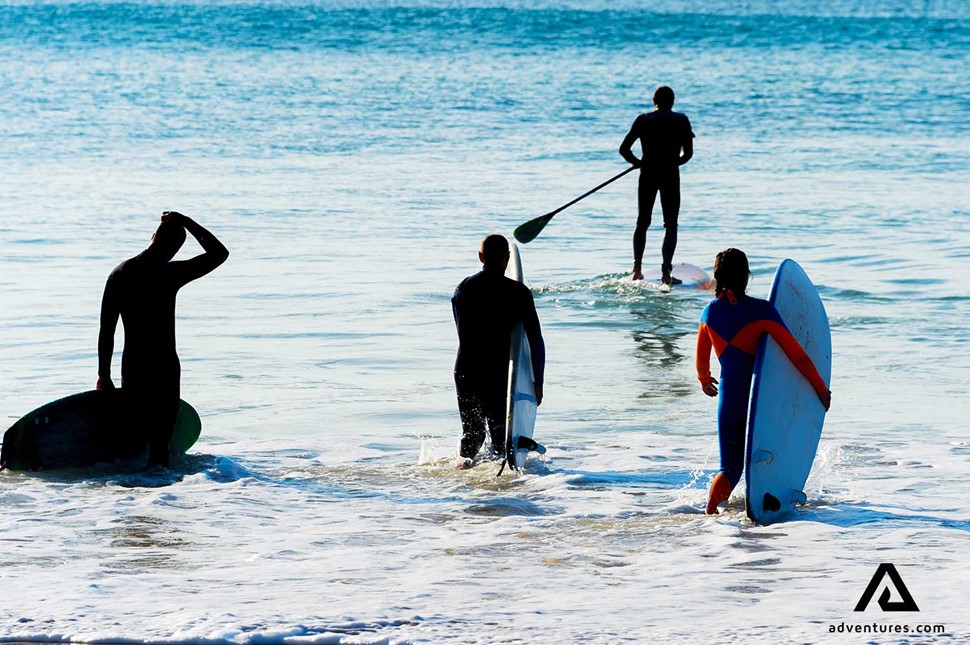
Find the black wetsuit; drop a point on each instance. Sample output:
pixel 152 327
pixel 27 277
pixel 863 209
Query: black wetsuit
pixel 662 134
pixel 142 290
pixel 486 307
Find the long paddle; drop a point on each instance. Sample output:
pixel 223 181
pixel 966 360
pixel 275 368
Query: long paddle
pixel 527 232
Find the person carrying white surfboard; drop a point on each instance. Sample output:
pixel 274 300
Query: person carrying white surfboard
pixel 486 306
pixel 732 324
pixel 666 144
pixel 142 292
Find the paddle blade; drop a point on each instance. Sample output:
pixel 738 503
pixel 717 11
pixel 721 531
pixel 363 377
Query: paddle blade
pixel 527 232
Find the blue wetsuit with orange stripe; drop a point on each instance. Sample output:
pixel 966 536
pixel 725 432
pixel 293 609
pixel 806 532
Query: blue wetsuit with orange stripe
pixel 733 326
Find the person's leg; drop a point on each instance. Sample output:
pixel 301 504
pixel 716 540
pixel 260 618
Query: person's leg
pixel 471 409
pixel 152 391
pixel 721 489
pixel 496 412
pixel 646 197
pixel 732 417
pixel 161 422
pixel 670 203
pixel 160 435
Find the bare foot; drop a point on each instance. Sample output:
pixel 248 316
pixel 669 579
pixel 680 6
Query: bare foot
pixel 637 273
pixel 462 463
pixel 669 280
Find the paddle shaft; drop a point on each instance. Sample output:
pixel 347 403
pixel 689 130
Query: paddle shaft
pixel 590 192
pixel 527 232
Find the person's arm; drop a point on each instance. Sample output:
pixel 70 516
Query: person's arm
pixel 454 304
pixel 110 310
pixel 702 361
pixel 802 361
pixel 688 151
pixel 215 253
pixel 537 346
pixel 688 145
pixel 626 148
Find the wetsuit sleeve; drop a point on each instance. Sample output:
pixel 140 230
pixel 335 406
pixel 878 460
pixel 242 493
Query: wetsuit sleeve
pixel 702 359
pixel 110 310
pixel 530 323
pixel 702 356
pixel 454 303
pixel 793 350
pixel 687 144
pixel 626 148
pixel 186 271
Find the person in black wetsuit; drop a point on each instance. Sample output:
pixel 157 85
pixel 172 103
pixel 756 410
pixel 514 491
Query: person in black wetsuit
pixel 486 307
pixel 666 144
pixel 142 291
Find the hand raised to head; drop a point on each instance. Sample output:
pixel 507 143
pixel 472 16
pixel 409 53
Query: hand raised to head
pixel 174 217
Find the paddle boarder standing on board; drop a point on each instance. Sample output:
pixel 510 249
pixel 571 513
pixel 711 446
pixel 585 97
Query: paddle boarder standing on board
pixel 486 307
pixel 666 144
pixel 732 324
pixel 142 292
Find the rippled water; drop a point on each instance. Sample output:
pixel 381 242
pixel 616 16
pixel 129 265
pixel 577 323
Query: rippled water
pixel 351 156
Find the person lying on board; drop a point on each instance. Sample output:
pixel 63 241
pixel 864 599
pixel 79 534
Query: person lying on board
pixel 732 324
pixel 142 291
pixel 486 307
pixel 663 135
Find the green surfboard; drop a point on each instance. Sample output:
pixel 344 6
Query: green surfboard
pixel 85 429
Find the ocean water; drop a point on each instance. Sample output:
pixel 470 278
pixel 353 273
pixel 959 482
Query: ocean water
pixel 351 155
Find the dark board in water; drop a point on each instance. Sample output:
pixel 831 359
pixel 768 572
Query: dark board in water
pixel 85 429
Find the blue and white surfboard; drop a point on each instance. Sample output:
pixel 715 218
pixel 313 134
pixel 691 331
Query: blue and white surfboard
pixel 786 417
pixel 520 418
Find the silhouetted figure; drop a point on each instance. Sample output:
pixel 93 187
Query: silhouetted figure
pixel 142 291
pixel 486 307
pixel 666 144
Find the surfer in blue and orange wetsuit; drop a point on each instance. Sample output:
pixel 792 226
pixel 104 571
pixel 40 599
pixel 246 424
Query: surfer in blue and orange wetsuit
pixel 486 307
pixel 142 292
pixel 732 324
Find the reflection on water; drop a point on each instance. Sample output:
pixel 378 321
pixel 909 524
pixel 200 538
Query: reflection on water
pixel 140 543
pixel 659 342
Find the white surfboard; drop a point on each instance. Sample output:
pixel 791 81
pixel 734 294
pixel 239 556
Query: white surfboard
pixel 691 277
pixel 520 418
pixel 786 415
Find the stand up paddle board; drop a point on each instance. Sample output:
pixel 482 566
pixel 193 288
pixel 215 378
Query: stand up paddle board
pixel 520 417
pixel 86 429
pixel 786 415
pixel 691 277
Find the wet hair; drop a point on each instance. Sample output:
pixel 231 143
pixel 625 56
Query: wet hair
pixel 494 249
pixel 664 97
pixel 169 238
pixel 731 272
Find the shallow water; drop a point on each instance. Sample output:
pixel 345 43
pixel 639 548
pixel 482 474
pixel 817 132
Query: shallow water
pixel 351 156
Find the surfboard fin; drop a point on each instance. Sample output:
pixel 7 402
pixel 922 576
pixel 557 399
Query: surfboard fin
pixel 528 443
pixel 771 503
pixel 799 497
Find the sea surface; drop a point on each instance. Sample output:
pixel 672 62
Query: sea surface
pixel 351 155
